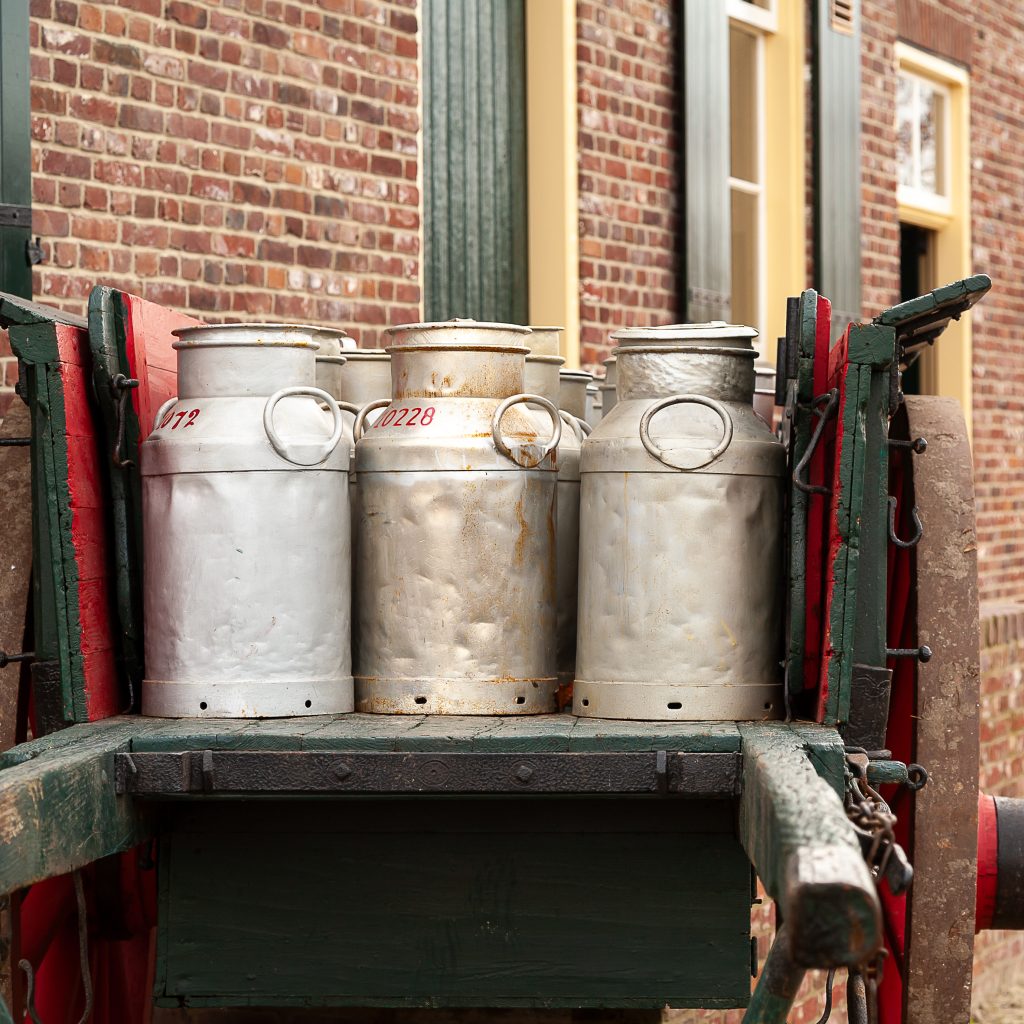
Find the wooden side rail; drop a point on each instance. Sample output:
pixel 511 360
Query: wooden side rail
pixel 796 833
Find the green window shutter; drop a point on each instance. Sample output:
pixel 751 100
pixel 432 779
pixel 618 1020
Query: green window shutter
pixel 837 156
pixel 474 159
pixel 15 158
pixel 707 265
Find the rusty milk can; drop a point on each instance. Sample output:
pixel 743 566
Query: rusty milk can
pixel 543 378
pixel 680 535
pixel 455 563
pixel 245 615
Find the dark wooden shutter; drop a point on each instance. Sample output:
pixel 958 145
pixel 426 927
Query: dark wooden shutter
pixel 707 264
pixel 15 159
pixel 474 153
pixel 837 156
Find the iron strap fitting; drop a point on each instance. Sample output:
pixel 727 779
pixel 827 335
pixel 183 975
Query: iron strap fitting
pixel 824 407
pixel 121 386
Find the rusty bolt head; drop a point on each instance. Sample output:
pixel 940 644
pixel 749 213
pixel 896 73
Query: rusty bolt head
pixel 524 773
pixel 342 772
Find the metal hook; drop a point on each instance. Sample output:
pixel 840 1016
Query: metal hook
pixel 830 400
pixel 827 1011
pixel 121 386
pixel 83 960
pixel 918 527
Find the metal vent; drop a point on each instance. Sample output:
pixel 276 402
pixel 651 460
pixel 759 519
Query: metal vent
pixel 842 13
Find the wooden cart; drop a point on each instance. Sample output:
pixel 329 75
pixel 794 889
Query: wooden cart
pixel 545 862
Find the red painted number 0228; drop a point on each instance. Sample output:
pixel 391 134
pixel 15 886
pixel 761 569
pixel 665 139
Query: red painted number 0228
pixel 414 417
pixel 192 414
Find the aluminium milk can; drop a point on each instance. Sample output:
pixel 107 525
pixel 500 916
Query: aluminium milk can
pixel 246 533
pixel 543 378
pixel 608 386
pixel 334 345
pixel 594 407
pixel 680 536
pixel 455 564
pixel 572 392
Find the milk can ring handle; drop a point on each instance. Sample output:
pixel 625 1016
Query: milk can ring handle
pixel 163 410
pixel 579 427
pixel 286 451
pixel 705 455
pixel 548 407
pixel 360 424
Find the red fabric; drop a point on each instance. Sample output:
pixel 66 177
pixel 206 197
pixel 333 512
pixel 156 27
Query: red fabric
pixel 988 861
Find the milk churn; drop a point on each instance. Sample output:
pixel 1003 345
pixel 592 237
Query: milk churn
pixel 595 410
pixel 542 378
pixel 680 534
pixel 246 616
pixel 334 344
pixel 609 394
pixel 572 392
pixel 455 565
pixel 764 390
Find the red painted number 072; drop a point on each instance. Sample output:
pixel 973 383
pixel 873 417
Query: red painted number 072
pixel 414 417
pixel 192 414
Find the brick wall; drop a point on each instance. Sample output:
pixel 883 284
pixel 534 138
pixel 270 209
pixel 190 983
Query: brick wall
pixel 246 158
pixel 628 185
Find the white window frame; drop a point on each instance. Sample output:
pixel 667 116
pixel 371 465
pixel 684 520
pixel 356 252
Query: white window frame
pixel 757 22
pixel 910 195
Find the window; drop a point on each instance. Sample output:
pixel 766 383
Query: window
pixel 922 133
pixel 933 155
pixel 746 174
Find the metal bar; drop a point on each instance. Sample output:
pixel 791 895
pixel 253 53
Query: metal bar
pixel 694 775
pixel 13 216
pixel 778 985
pixel 15 442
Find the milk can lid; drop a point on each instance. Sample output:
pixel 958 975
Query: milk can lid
pixel 717 332
pixel 232 335
pixel 459 332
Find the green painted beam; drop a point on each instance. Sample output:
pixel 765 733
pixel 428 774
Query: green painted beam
pixel 58 808
pixel 796 834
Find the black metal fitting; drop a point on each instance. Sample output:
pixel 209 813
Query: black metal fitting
pixel 922 653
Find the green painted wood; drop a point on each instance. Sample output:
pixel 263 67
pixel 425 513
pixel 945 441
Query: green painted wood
pixel 474 158
pixel 436 902
pixel 950 300
pixel 58 808
pixel 707 216
pixel 15 143
pixel 803 426
pixel 107 347
pixel 837 161
pixel 357 732
pixel 795 831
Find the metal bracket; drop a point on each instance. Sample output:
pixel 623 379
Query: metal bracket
pixel 918 446
pixel 918 526
pixel 824 406
pixel 714 775
pixel 121 386
pixel 922 653
pixel 34 252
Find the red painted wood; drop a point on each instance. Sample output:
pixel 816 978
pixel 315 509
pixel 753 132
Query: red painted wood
pixel 151 358
pixel 988 861
pixel 838 362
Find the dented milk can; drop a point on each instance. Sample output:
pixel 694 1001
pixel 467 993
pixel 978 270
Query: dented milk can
pixel 455 565
pixel 680 535
pixel 543 378
pixel 245 615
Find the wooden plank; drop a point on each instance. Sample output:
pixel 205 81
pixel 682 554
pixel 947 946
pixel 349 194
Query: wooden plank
pixel 944 852
pixel 796 833
pixel 58 808
pixel 428 902
pixel 15 561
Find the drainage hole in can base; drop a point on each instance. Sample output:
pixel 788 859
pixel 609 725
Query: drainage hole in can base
pixel 520 700
pixel 421 700
pixel 585 703
pixel 768 705
pixel 202 705
pixel 673 705
pixel 309 703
